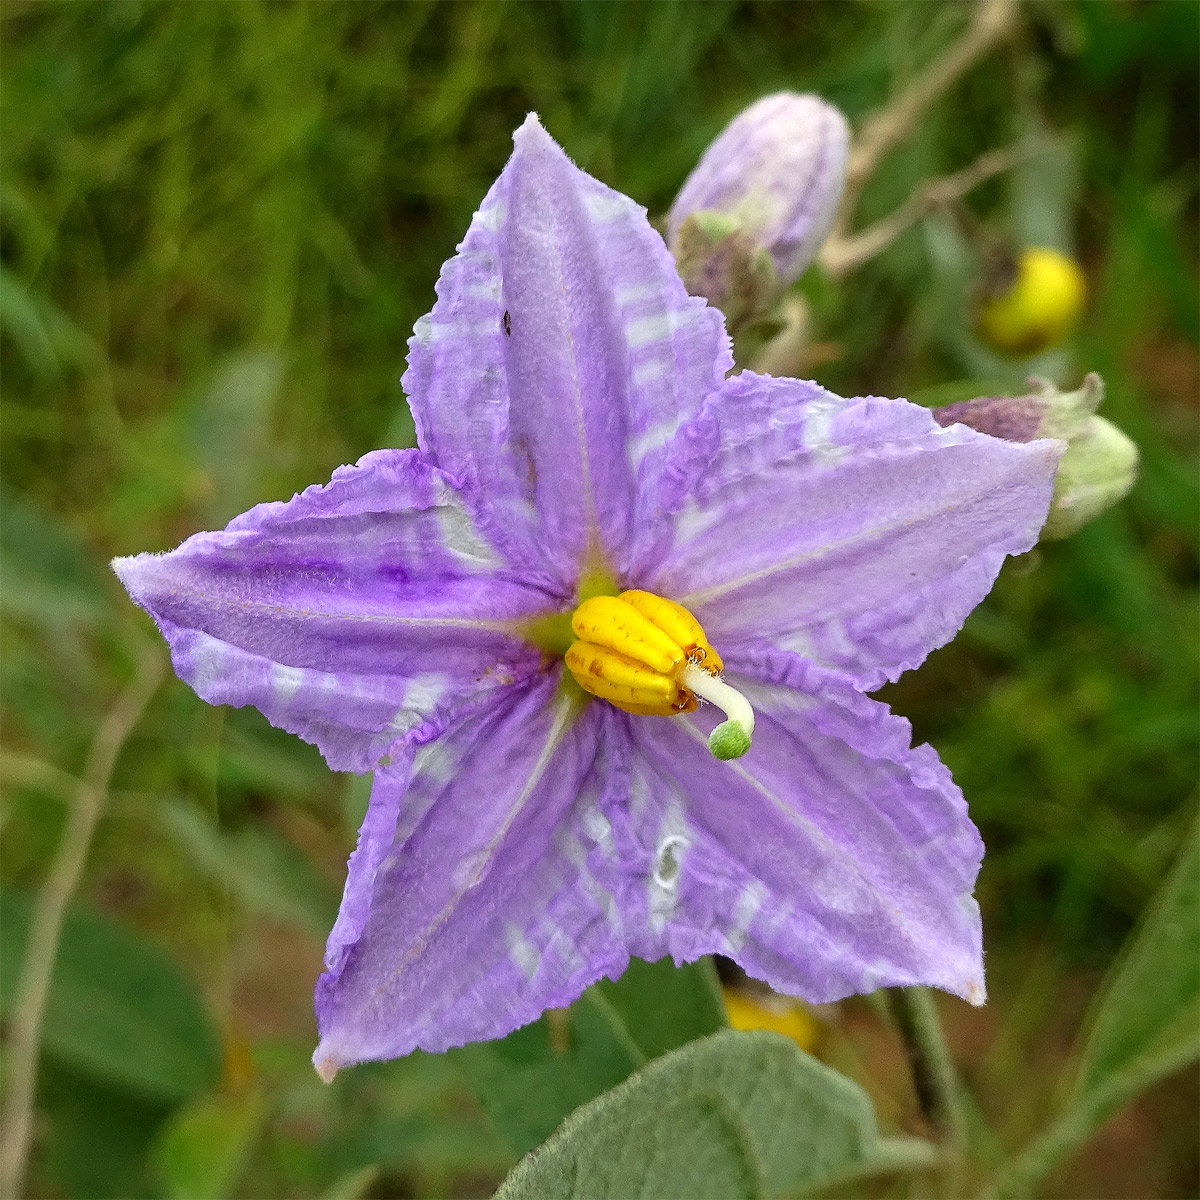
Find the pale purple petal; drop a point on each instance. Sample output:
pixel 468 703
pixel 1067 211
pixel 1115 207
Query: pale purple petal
pixel 473 902
pixel 858 533
pixel 559 360
pixel 354 615
pixel 831 859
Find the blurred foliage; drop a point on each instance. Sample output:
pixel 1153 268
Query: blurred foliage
pixel 529 1081
pixel 118 1009
pixel 218 223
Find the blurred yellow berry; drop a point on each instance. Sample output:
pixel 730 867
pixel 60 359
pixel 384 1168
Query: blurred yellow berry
pixel 1042 298
pixel 775 1013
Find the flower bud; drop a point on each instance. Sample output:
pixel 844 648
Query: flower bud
pixel 1100 464
pixel 1032 303
pixel 718 261
pixel 775 174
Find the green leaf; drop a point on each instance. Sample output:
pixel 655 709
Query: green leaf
pixel 93 1138
pixel 118 1009
pixel 529 1081
pixel 735 1114
pixel 229 430
pixel 698 1148
pixel 1150 1002
pixel 204 1150
pixel 49 577
pixel 940 394
pixel 532 1079
pixel 1044 189
pixel 46 338
pixel 1146 1025
pixel 412 1118
pixel 664 1006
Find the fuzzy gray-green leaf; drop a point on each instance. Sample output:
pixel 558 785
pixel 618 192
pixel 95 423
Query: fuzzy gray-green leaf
pixel 729 1115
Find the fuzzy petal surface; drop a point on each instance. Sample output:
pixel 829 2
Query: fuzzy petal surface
pixel 471 905
pixel 858 532
pixel 559 361
pixel 354 614
pixel 832 859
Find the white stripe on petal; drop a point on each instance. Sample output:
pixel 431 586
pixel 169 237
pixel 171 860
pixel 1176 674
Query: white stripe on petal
pixel 522 951
pixel 669 853
pixel 208 661
pixel 652 370
pixel 749 901
pixel 492 217
pixel 654 438
pixel 604 207
pixel 286 682
pixel 650 329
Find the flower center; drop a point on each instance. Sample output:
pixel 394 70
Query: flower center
pixel 650 657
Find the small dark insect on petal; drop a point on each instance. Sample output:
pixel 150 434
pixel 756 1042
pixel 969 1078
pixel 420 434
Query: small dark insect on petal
pixel 506 321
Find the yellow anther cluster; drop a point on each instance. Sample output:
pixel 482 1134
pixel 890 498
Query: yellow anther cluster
pixel 633 649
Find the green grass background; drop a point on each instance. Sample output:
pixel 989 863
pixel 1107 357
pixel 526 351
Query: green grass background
pixel 218 222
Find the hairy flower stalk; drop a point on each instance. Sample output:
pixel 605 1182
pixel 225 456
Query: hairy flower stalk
pixel 607 564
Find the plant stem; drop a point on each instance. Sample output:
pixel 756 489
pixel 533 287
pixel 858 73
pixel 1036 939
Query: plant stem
pixel 841 255
pixel 934 1077
pixel 37 968
pixel 1083 1117
pixel 991 22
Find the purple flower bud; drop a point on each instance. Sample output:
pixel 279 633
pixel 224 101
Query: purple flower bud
pixel 1013 418
pixel 1100 464
pixel 778 169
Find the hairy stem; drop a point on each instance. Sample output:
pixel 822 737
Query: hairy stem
pixel 991 21
pixel 1021 1175
pixel 37 968
pixel 841 255
pixel 935 1080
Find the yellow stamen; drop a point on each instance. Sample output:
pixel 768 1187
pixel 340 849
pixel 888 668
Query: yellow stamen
pixel 649 656
pixel 678 624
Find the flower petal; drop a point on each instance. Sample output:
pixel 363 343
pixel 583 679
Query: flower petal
pixel 831 859
pixel 471 906
pixel 857 532
pixel 560 358
pixel 353 615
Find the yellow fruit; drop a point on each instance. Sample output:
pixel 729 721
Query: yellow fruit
pixel 1040 306
pixel 779 1014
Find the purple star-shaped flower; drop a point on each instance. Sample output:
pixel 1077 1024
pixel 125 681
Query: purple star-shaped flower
pixel 578 435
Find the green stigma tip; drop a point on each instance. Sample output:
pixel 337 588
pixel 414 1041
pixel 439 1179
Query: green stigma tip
pixel 728 740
